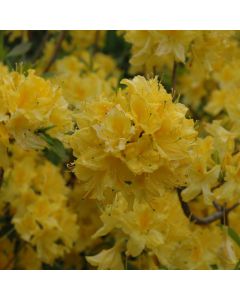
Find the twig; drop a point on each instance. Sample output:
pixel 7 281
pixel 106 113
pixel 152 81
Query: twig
pixel 216 205
pixel 224 219
pixel 8 264
pixel 55 53
pixel 218 215
pixel 18 246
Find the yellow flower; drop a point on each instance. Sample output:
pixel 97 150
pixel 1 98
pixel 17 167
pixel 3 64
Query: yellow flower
pixel 134 133
pixel 87 77
pixel 37 196
pixel 229 190
pixel 174 42
pixel 31 103
pixel 223 140
pixel 156 48
pixel 28 260
pixel 221 48
pixel 107 259
pixel 203 175
pixel 218 101
pixel 81 39
pixel 145 226
pixel 115 130
pixel 88 218
pixel 192 85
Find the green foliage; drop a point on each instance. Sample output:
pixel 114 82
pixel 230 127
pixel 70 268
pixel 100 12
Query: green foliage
pixel 20 50
pixel 48 75
pixel 214 267
pixel 55 152
pixel 234 235
pixel 118 48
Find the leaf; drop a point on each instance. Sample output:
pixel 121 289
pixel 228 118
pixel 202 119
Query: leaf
pixel 233 234
pixel 214 267
pixel 44 129
pixel 55 152
pixel 163 268
pixel 20 49
pixel 52 156
pixel 55 145
pixel 47 75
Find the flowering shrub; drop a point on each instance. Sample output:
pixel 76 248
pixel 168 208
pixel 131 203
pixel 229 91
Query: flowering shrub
pixel 119 150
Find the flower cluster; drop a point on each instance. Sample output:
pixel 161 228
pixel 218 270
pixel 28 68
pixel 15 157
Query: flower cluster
pixel 37 195
pixel 119 150
pixel 28 102
pixel 137 142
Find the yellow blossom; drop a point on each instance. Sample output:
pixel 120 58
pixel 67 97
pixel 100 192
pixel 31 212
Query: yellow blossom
pixel 107 259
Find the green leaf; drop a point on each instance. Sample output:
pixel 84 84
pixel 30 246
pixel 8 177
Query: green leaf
pixel 20 49
pixel 55 145
pixel 44 129
pixel 163 268
pixel 214 267
pixel 234 235
pixel 47 75
pixel 52 156
pixel 55 152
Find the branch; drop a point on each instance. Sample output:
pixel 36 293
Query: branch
pixel 9 263
pixel 220 214
pixel 55 53
pixel 18 246
pixel 224 219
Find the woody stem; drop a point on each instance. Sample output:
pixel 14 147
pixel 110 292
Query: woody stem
pixel 220 214
pixel 56 50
